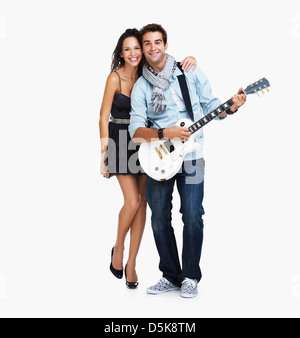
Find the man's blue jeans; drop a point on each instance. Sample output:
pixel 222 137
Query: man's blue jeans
pixel 190 186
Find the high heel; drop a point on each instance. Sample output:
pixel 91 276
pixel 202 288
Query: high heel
pixel 130 285
pixel 117 273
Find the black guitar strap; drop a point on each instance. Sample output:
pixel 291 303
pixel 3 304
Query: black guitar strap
pixel 185 92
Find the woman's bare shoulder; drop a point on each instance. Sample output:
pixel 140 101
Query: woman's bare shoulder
pixel 113 77
pixel 113 81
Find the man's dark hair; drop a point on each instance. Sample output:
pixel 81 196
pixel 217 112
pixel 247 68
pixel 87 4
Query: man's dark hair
pixel 154 28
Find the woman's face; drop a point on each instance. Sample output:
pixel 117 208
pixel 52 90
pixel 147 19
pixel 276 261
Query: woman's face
pixel 131 51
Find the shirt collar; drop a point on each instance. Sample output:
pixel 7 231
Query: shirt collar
pixel 176 73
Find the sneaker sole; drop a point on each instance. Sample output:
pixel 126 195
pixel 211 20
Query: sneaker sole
pixel 185 295
pixel 153 292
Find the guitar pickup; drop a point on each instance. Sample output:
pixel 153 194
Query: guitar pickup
pixel 164 149
pixel 159 153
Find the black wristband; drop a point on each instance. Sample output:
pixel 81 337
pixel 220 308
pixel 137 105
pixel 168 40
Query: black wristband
pixel 160 134
pixel 229 112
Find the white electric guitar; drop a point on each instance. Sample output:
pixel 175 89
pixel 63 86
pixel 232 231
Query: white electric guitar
pixel 162 159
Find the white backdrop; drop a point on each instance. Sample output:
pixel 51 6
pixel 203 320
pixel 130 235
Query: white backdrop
pixel 59 216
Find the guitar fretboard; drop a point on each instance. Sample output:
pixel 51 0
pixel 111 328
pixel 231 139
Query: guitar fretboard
pixel 209 117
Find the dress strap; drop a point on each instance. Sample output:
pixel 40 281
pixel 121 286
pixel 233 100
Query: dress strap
pixel 120 81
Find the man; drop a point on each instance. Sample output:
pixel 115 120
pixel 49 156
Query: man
pixel 156 96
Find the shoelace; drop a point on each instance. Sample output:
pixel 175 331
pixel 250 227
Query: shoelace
pixel 189 284
pixel 163 283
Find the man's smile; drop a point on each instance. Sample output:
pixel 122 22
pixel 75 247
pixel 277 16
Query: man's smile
pixel 154 53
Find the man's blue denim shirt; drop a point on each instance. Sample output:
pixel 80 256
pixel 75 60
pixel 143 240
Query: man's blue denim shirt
pixel 202 99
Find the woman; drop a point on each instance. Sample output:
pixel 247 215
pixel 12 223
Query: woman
pixel 125 70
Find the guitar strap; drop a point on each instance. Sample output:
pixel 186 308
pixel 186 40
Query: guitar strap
pixel 185 92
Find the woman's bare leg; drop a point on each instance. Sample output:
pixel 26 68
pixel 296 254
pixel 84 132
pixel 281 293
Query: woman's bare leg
pixel 137 230
pixel 130 190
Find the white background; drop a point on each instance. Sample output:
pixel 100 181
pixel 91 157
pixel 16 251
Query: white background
pixel 59 217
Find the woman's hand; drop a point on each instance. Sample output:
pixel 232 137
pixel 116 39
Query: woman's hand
pixel 188 63
pixel 104 172
pixel 103 166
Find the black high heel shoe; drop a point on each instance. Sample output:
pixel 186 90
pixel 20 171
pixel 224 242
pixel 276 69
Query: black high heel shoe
pixel 130 285
pixel 117 273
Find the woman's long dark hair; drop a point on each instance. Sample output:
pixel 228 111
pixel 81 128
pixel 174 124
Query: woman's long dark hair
pixel 117 60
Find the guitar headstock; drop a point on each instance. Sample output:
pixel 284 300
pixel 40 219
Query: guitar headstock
pixel 257 87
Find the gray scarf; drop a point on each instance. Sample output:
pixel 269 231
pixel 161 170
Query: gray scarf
pixel 160 81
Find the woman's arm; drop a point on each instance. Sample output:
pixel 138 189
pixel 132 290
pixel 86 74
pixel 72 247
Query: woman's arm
pixel 112 85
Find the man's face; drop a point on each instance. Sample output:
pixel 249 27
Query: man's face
pixel 153 47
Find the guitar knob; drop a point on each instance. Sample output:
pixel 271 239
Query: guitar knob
pixel 182 124
pixel 156 168
pixel 163 171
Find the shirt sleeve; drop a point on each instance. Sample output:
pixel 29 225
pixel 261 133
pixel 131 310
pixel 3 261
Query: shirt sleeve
pixel 207 100
pixel 138 114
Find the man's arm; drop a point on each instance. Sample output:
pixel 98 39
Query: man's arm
pixel 208 101
pixel 138 113
pixel 139 120
pixel 148 135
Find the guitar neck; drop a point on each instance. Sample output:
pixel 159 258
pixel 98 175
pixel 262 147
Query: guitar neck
pixel 211 116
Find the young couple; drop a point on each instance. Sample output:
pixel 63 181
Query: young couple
pixel 143 86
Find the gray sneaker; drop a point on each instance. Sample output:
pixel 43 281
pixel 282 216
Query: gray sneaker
pixel 189 288
pixel 161 287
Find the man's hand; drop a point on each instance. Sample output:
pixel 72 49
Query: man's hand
pixel 239 100
pixel 177 133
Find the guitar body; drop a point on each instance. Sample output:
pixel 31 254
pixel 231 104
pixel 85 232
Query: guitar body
pixel 162 160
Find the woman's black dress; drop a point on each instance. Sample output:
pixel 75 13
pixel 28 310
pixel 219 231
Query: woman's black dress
pixel 122 152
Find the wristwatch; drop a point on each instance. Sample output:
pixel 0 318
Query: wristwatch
pixel 161 133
